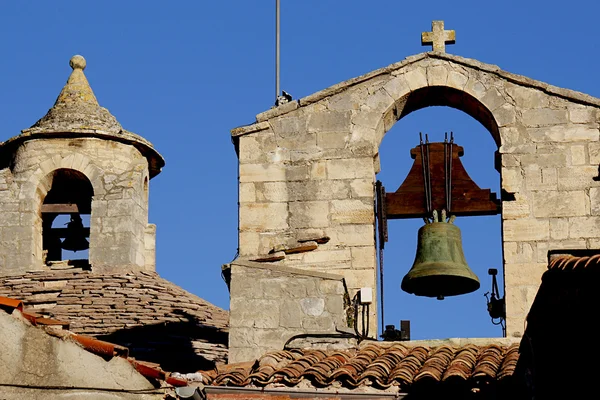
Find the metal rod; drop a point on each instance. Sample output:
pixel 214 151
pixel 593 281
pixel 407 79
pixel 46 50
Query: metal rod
pixel 429 200
pixel 450 173
pixel 424 166
pixel 277 46
pixel 381 288
pixel 446 170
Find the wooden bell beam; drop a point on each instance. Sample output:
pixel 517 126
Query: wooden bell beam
pixel 431 177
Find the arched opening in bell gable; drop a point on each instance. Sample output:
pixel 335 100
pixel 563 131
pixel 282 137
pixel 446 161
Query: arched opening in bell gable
pixel 439 114
pixel 65 218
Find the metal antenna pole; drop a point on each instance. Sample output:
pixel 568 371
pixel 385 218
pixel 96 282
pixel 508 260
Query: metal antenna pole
pixel 276 49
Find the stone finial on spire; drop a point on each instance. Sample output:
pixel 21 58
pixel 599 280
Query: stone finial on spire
pixel 77 89
pixel 76 108
pixel 438 37
pixel 77 62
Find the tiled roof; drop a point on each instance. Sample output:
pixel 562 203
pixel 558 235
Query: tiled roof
pixel 100 348
pixel 381 365
pixel 574 263
pixel 157 320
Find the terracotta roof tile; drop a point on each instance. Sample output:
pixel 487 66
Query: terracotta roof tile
pixel 380 365
pixel 569 262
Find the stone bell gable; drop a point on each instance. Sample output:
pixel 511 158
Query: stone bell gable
pixel 76 159
pixel 307 172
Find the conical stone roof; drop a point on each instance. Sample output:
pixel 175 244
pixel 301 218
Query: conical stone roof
pixel 76 107
pixel 77 113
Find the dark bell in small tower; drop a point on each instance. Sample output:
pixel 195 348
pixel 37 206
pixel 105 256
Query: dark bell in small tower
pixel 75 237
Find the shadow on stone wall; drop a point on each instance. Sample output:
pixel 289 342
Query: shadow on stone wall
pixel 184 346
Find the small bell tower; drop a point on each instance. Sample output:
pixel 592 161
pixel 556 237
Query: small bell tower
pixel 74 189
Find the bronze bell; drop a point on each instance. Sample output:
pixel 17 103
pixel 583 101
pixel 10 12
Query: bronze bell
pixel 440 268
pixel 75 238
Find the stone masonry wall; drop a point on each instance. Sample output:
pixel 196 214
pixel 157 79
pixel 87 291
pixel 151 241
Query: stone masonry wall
pixel 270 304
pixel 119 233
pixel 307 168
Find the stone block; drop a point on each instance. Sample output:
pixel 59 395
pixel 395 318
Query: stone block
pixel 544 117
pixel 332 140
pixel 257 313
pixel 558 159
pixel 523 274
pixel 352 212
pixel 118 208
pixel 262 172
pixel 526 97
pixel 456 80
pixel 578 155
pixel 510 160
pixel 526 230
pixel 362 188
pixel 365 119
pixel 249 243
pixel 565 244
pixel 247 192
pixel 263 216
pixel 345 101
pixel 493 99
pixel 318 190
pixel 318 170
pixel 289 125
pixel 291 314
pixel 378 100
pixel 335 305
pixel 516 209
pixel 512 179
pixel 437 75
pixel 357 278
pixel 329 287
pixel 350 168
pixel 579 114
pixel 505 115
pixel 519 300
pixel 275 192
pixel 475 87
pixel 313 306
pixel 534 179
pixel 559 204
pixel 319 324
pixel 594 152
pixel 397 87
pixel 309 214
pixel 352 235
pixel 416 78
pixel 331 121
pixel 298 172
pixel 564 133
pixel 584 227
pixel 519 253
pixel 577 177
pixel 10 218
pixel 559 228
pixel 324 256
pixel 286 286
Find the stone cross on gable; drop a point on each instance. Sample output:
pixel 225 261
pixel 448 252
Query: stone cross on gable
pixel 438 37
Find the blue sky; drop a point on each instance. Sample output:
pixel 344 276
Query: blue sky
pixel 184 73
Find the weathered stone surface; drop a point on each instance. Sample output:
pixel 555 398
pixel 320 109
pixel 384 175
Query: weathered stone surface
pixel 584 227
pixel 548 143
pixel 526 230
pixel 309 214
pixel 559 204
